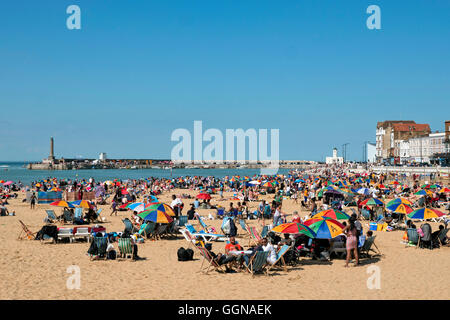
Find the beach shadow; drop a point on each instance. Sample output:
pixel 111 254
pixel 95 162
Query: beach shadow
pixel 367 261
pixel 315 262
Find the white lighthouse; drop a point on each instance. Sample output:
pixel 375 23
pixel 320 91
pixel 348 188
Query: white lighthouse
pixel 334 159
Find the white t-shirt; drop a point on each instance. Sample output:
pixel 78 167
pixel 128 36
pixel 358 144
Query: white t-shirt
pixel 175 202
pixel 272 257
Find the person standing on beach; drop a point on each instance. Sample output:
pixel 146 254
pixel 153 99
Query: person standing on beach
pixel 352 241
pixel 33 200
pixel 114 207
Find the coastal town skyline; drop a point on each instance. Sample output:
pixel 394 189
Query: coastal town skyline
pixel 238 65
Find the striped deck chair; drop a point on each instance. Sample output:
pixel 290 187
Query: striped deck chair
pixel 99 217
pixel 255 237
pixel 258 262
pixel 101 243
pixel 211 263
pixel 160 230
pixel 367 247
pixel 147 229
pixel 264 231
pixel 243 225
pixel 203 224
pixel 125 248
pixel 442 235
pixel 67 216
pixel 182 220
pixel 129 227
pixel 285 248
pixel 413 237
pixel 51 215
pixel 78 213
pixel 365 214
pixel 26 232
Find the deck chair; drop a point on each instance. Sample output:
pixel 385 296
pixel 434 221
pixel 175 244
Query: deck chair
pixel 187 235
pixel 78 214
pixel 413 236
pixel 51 215
pixel 365 214
pixel 67 216
pixel 220 213
pixel 339 249
pixel 205 235
pixel 102 244
pixel 210 262
pixel 203 224
pixel 265 231
pixel 255 237
pixel 129 227
pixel 367 247
pixel 99 217
pixel 258 262
pixel 147 229
pixel 182 220
pixel 442 236
pixel 285 248
pixel 26 232
pixel 160 230
pixel 125 248
pixel 244 226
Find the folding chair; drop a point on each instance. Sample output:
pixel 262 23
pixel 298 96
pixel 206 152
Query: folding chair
pixel 280 258
pixel 255 237
pixel 125 248
pixel 51 215
pixel 258 262
pixel 26 232
pixel 210 261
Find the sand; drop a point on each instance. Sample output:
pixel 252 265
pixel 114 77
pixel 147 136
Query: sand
pixel 34 270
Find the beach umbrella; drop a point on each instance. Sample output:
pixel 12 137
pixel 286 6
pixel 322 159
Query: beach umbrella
pixel 325 228
pixel 203 196
pixel 81 204
pixel 400 208
pixel 269 184
pixel 294 228
pixel 331 214
pixel 398 201
pixel 423 192
pixel 364 191
pixel 161 207
pixel 372 202
pixel 7 183
pixel 156 216
pixel 425 213
pixel 444 190
pixel 254 182
pixel 62 204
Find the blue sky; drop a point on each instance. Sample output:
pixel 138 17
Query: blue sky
pixel 136 72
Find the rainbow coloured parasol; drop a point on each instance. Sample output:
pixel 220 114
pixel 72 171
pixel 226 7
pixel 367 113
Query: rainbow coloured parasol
pixel 425 213
pixel 294 228
pixel 325 228
pixel 331 214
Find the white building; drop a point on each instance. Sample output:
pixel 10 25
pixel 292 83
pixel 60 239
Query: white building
pixel 102 156
pixel 334 159
pixel 371 152
pixel 404 151
pixel 436 143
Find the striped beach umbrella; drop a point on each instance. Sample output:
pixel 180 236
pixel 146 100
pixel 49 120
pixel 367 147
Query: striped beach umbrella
pixel 325 228
pixel 156 216
pixel 331 214
pixel 161 207
pixel 425 213
pixel 62 204
pixel 372 202
pixel 82 204
pixel 294 228
pixel 398 201
pixel 400 208
pixel 423 192
pixel 444 190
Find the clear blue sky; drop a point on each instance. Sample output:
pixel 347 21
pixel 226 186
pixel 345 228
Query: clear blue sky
pixel 137 70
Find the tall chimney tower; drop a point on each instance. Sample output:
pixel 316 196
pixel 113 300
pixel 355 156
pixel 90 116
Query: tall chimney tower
pixel 52 155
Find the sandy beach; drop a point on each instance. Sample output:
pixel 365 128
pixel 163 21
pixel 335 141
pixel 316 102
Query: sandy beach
pixel 35 270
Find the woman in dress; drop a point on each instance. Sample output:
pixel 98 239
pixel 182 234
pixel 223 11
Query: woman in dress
pixel 352 241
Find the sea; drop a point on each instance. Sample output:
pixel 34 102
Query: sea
pixel 16 171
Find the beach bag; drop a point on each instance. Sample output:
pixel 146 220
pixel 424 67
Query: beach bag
pixel 182 254
pixel 112 254
pixel 190 254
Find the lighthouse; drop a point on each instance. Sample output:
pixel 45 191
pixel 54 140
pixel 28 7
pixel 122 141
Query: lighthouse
pixel 51 157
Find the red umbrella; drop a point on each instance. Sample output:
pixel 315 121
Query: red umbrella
pixel 203 196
